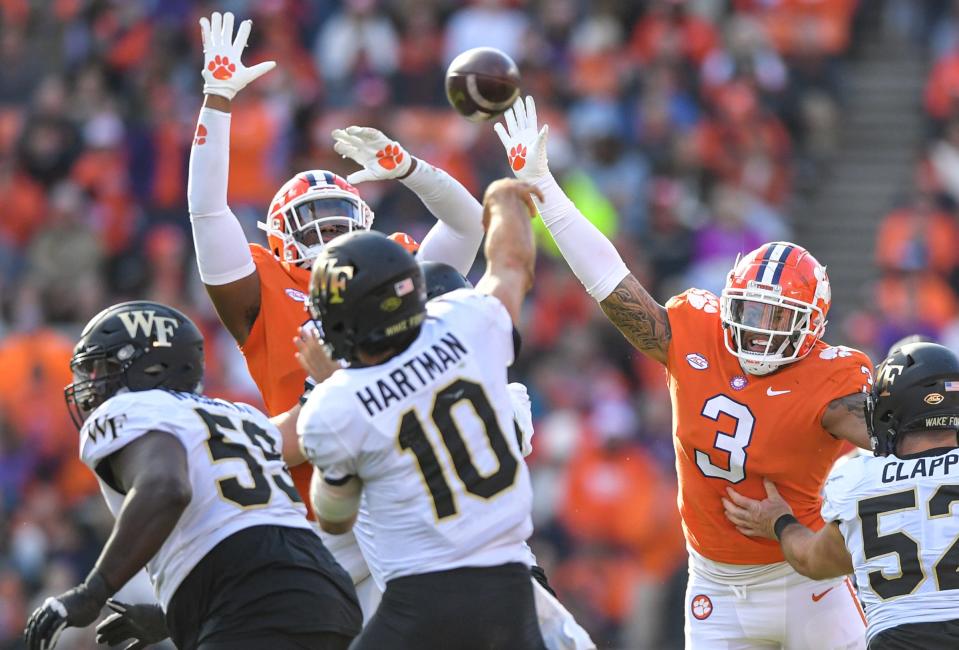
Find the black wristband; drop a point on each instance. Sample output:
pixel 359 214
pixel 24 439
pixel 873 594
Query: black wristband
pixel 782 522
pixel 98 587
pixel 414 163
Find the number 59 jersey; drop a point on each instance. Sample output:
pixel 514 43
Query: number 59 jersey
pixel 237 475
pixel 430 433
pixel 732 429
pixel 900 520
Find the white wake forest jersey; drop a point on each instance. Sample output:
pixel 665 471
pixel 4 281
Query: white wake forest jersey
pixel 430 434
pixel 900 520
pixel 237 474
pixel 356 552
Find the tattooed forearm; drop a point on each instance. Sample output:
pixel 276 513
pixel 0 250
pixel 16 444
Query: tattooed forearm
pixel 641 319
pixel 845 418
pixel 854 404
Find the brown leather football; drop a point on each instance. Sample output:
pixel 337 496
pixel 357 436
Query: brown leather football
pixel 481 83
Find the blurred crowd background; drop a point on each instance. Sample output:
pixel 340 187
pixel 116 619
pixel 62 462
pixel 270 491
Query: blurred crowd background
pixel 685 130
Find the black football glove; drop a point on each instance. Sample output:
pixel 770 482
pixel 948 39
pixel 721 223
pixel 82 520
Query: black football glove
pixel 145 624
pixel 75 608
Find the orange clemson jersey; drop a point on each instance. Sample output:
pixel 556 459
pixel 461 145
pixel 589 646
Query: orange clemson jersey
pixel 733 429
pixel 269 348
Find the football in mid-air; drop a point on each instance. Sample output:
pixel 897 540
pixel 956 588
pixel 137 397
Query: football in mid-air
pixel 481 83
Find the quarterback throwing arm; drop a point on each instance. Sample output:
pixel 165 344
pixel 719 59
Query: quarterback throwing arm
pixel 627 304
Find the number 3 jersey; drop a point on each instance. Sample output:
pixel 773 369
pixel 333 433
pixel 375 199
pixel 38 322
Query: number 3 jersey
pixel 900 520
pixel 237 475
pixel 430 434
pixel 731 429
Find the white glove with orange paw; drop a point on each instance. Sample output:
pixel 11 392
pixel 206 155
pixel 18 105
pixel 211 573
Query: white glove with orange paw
pixel 223 72
pixel 382 159
pixel 525 147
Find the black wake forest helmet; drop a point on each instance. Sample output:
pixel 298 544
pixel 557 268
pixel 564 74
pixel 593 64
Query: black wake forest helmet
pixel 368 292
pixel 912 338
pixel 916 388
pixel 442 278
pixel 133 346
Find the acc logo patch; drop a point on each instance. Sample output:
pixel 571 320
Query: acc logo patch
pixel 697 361
pixel 391 304
pixel 701 607
pixel 296 294
pixel 933 398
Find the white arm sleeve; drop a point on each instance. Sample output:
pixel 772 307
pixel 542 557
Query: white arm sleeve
pixel 456 237
pixel 591 256
pixel 222 252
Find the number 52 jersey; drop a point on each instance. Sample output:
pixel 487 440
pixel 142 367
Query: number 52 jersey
pixel 900 520
pixel 733 429
pixel 430 433
pixel 237 474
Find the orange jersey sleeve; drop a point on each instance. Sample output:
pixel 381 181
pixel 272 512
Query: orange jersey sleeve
pixel 732 429
pixel 269 349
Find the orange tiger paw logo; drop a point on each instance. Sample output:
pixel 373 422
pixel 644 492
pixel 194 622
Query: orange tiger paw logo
pixel 200 135
pixel 221 67
pixel 701 607
pixel 517 157
pixel 390 156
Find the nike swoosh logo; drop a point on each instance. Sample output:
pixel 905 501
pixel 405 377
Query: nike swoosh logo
pixel 773 393
pixel 817 597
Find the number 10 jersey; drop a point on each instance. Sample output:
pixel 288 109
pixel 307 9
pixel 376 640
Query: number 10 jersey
pixel 731 428
pixel 430 433
pixel 237 475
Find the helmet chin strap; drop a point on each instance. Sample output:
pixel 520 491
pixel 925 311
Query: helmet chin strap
pixel 757 368
pixel 308 255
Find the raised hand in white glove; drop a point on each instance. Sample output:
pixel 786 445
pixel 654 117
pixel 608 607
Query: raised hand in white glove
pixel 223 72
pixel 525 147
pixel 382 159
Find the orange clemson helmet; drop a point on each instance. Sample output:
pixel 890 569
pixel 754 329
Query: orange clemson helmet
pixel 773 307
pixel 406 241
pixel 308 211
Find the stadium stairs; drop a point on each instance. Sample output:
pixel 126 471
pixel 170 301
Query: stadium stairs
pixel 881 130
